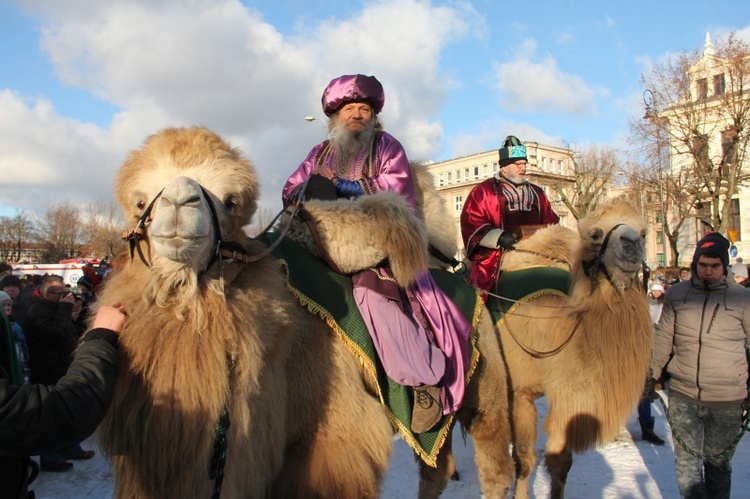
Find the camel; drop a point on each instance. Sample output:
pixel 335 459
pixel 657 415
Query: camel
pixel 229 386
pixel 587 351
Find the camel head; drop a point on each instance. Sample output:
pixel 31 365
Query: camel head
pixel 613 239
pixel 199 189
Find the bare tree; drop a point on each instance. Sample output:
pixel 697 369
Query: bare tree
pixel 593 170
pixel 61 232
pixel 15 234
pixel 700 114
pixel 103 225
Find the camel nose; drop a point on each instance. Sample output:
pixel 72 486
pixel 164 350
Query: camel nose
pixel 182 192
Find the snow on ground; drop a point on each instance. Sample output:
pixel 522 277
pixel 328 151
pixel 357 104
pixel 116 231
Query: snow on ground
pixel 626 468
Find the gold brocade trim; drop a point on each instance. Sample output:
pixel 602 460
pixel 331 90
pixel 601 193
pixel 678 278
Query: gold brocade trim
pixel 406 434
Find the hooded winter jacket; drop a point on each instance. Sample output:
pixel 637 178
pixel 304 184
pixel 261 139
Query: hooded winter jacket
pixel 706 326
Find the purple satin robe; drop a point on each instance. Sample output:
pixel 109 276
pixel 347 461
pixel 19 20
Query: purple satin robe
pixel 389 171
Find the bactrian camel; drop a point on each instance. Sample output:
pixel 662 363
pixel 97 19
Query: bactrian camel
pixel 587 352
pixel 208 336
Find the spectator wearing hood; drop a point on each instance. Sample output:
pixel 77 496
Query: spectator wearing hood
pixel 20 297
pixel 705 324
pixel 22 350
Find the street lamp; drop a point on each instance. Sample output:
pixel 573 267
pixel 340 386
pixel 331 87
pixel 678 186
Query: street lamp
pixel 652 115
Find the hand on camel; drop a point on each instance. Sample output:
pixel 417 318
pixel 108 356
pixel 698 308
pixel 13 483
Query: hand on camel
pixel 110 317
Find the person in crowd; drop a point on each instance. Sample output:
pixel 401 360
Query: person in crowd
pixel 739 271
pixel 52 337
pixel 22 350
pixel 645 420
pixel 420 335
pixel 497 207
pixel 13 285
pixel 37 419
pixel 705 324
pixel 85 294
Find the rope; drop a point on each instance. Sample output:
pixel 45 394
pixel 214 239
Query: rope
pixel 219 456
pixel 719 455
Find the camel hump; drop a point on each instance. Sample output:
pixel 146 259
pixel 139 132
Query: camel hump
pixel 552 246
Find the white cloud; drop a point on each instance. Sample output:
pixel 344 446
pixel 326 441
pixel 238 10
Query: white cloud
pixel 529 84
pixel 219 64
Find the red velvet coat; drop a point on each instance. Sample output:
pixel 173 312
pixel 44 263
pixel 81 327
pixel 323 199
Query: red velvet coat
pixel 499 204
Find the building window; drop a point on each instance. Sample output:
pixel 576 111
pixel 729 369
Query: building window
pixel 661 260
pixel 719 84
pixel 459 199
pixel 734 218
pixel 559 166
pixel 702 89
pixel 440 180
pixel 458 176
pixel 476 172
pixel 700 150
pixel 494 167
pixel 659 234
pixel 466 174
pixel 728 147
pixel 485 172
pixel 449 178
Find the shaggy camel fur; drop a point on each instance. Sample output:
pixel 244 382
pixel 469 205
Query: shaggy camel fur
pixel 203 336
pixel 595 381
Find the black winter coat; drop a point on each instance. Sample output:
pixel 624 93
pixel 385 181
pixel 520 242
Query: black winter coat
pixel 38 419
pixel 51 337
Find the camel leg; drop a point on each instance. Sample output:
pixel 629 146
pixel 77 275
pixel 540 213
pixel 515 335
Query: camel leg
pixel 432 481
pixel 558 464
pixel 524 441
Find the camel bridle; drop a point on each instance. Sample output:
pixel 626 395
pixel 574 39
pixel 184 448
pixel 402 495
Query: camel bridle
pixel 227 251
pixel 591 268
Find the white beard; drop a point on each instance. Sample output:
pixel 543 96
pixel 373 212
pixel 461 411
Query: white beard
pixel 350 143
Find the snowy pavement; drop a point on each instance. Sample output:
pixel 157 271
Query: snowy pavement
pixel 626 468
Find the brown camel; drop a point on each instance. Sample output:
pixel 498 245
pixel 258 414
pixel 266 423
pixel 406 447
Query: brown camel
pixel 587 352
pixel 219 356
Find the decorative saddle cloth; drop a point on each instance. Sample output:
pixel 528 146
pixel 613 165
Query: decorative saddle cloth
pixel 515 287
pixel 329 296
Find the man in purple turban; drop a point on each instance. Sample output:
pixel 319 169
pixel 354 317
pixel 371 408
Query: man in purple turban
pixel 421 337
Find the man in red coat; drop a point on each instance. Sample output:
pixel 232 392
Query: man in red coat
pixel 497 207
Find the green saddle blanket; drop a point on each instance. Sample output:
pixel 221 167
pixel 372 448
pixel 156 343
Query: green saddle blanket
pixel 329 295
pixel 518 286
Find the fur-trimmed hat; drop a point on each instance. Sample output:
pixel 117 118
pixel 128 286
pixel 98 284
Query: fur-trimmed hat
pixel 657 287
pixel 353 88
pixel 712 243
pixel 512 150
pixel 4 297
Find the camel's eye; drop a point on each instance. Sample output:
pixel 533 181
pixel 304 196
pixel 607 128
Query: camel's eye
pixel 231 202
pixel 596 235
pixel 140 205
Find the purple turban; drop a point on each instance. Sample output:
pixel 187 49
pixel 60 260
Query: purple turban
pixel 353 88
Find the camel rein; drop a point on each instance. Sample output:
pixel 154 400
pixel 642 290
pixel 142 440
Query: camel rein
pixel 590 267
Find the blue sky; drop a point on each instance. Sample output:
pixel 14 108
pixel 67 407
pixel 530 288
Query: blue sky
pixel 84 82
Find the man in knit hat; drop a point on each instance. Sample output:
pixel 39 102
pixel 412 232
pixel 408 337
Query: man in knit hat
pixel 496 208
pixel 421 336
pixel 705 323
